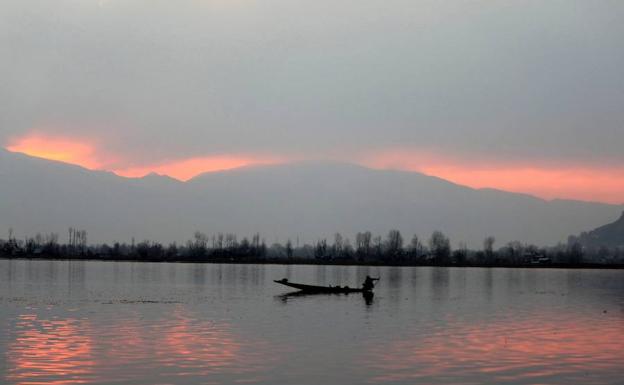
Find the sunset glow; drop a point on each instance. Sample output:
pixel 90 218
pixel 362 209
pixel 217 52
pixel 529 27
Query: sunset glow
pixel 86 154
pixel 186 169
pixel 61 149
pixel 545 180
pixel 548 181
pixel 237 192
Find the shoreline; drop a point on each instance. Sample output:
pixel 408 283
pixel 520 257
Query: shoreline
pixel 279 261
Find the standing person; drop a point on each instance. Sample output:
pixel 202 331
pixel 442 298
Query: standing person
pixel 369 283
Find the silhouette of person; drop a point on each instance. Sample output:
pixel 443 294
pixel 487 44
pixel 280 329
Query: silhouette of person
pixel 369 283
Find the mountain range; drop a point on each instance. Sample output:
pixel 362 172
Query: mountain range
pixel 305 201
pixel 609 235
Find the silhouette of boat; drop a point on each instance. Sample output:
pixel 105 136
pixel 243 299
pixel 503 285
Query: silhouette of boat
pixel 311 289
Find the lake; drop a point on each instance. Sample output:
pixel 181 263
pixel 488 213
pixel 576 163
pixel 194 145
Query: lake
pixel 82 322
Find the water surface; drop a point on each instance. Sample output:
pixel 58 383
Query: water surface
pixel 78 322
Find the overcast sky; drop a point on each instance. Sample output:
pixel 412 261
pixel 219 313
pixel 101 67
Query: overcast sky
pixel 150 81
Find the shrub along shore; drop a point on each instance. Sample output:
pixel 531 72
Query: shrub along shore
pixel 366 250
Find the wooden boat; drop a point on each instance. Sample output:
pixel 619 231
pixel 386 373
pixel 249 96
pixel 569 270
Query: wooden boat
pixel 321 289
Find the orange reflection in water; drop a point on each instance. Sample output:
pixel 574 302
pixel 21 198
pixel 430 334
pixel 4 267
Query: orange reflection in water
pixel 512 351
pixel 56 351
pixel 175 349
pixel 206 348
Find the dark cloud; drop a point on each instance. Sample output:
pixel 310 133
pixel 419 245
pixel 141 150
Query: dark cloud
pixel 163 79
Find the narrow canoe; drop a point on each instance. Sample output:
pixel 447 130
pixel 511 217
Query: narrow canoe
pixel 320 289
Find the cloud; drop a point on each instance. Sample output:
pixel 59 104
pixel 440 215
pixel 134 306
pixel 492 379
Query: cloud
pixel 540 177
pixel 74 151
pixel 87 153
pixel 185 169
pixel 154 82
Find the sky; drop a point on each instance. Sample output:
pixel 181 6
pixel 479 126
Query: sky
pixel 518 95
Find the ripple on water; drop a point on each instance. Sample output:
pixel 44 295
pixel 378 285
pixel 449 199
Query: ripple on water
pixel 544 349
pixel 132 349
pixel 130 323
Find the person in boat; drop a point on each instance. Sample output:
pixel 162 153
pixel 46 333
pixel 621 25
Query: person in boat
pixel 369 283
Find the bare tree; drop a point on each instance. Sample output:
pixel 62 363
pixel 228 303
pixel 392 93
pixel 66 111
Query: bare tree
pixel 415 247
pixel 220 241
pixel 82 241
pixel 440 247
pixel 575 253
pixel 199 247
pixel 363 244
pixel 338 244
pixel 461 254
pixel 289 249
pixel 320 251
pixel 488 248
pixel 378 246
pixel 394 244
pixel 230 241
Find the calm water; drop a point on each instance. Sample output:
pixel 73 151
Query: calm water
pixel 144 323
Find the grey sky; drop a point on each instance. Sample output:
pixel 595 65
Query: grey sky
pixel 172 79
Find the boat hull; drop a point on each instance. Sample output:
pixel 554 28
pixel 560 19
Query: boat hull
pixel 320 289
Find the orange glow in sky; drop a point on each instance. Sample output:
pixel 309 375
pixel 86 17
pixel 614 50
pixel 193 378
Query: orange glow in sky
pixel 65 150
pixel 582 182
pixel 548 181
pixel 186 169
pixel 84 153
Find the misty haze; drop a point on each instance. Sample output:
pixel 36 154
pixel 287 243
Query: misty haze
pixel 305 192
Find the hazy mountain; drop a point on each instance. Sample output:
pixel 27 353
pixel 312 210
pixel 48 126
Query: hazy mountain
pixel 305 200
pixel 610 235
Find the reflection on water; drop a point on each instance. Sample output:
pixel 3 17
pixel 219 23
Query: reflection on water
pixel 143 323
pixel 71 351
pixel 208 349
pixel 542 349
pixel 49 351
pixel 367 297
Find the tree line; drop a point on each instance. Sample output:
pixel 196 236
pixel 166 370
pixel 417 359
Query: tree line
pixel 367 248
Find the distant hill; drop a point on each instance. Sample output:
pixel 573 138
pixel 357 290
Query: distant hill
pixel 611 235
pixel 304 201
